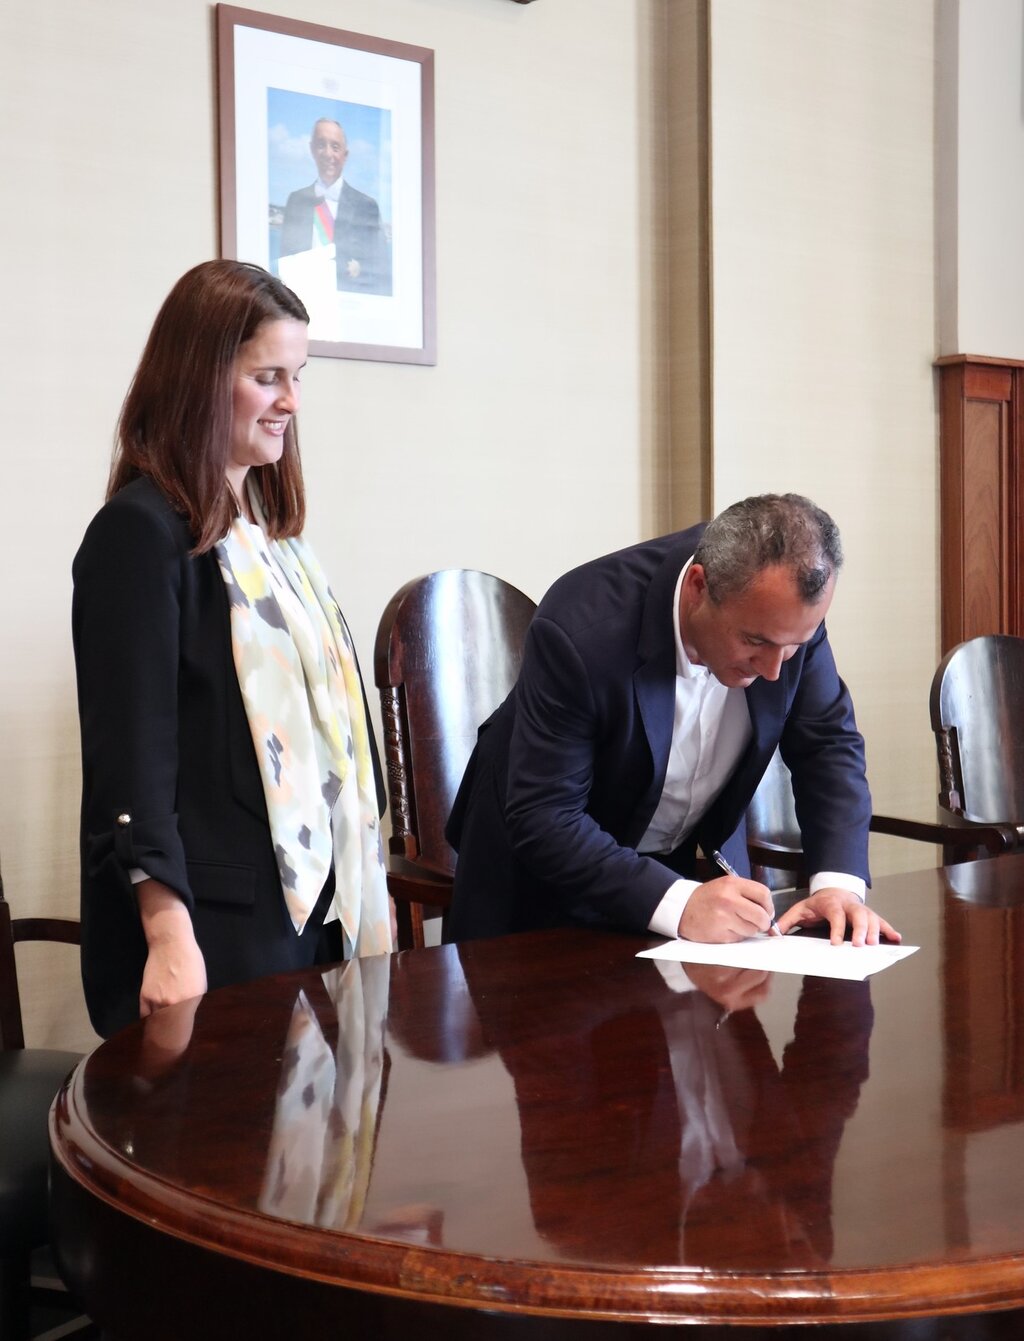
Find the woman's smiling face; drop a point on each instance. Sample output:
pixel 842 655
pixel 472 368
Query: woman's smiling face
pixel 265 395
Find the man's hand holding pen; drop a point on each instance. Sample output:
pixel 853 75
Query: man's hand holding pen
pixel 727 909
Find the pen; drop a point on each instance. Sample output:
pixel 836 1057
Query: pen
pixel 727 867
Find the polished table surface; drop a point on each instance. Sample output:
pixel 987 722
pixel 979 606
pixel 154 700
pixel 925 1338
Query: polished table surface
pixel 543 1135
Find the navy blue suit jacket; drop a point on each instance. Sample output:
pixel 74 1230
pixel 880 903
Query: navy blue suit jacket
pixel 566 775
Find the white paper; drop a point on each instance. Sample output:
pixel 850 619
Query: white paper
pixel 787 954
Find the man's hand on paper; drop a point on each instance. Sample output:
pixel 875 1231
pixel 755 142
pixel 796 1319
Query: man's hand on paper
pixel 838 907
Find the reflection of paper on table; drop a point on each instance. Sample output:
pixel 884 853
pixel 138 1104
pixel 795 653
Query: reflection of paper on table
pixel 787 954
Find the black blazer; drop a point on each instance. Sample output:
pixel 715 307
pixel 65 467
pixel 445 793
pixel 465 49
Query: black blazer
pixel 170 781
pixel 567 773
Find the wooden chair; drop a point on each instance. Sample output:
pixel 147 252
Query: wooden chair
pixel 448 650
pixel 29 1079
pixel 773 834
pixel 977 710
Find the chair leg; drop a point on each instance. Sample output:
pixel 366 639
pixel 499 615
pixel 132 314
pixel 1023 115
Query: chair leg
pixel 416 916
pixel 409 917
pixel 14 1298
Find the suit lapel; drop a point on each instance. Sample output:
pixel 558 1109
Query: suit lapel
pixel 654 687
pixel 654 680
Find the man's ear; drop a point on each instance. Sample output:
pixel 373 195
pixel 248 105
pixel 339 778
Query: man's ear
pixel 695 584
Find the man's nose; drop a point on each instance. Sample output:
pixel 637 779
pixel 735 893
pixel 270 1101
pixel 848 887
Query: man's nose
pixel 768 661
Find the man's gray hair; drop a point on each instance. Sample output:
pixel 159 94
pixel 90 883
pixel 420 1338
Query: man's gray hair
pixel 328 121
pixel 766 530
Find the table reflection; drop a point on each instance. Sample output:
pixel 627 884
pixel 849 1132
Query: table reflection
pixel 674 1092
pixel 663 1081
pixel 666 1085
pixel 328 1100
pixel 983 968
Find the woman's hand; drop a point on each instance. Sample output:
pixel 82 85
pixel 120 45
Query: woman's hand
pixel 175 969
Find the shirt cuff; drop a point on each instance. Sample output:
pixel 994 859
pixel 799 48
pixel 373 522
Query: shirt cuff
pixel 853 884
pixel 665 918
pixel 675 976
pixel 136 875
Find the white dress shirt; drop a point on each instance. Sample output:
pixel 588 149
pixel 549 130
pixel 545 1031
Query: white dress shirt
pixel 329 193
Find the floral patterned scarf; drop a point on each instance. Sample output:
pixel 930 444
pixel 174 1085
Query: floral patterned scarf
pixel 304 700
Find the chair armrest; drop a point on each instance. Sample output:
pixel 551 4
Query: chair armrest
pixel 63 930
pixel 779 856
pixel 420 887
pixel 413 890
pixel 955 832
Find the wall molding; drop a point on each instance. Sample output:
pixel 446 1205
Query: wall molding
pixel 981 473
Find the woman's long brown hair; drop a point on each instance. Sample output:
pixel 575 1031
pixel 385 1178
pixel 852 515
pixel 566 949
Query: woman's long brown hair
pixel 175 424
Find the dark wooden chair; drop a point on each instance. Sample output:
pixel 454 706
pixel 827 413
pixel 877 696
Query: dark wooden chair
pixel 976 704
pixel 773 834
pixel 29 1079
pixel 448 650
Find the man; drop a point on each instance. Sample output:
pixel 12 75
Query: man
pixel 332 211
pixel 656 684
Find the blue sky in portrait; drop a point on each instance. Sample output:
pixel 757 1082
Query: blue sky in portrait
pixel 290 118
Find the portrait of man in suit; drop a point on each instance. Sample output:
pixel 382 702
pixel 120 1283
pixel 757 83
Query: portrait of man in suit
pixel 331 212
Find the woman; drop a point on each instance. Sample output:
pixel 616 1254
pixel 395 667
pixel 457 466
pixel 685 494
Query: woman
pixel 231 790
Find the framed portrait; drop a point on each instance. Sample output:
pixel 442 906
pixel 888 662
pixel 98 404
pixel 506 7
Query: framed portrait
pixel 327 178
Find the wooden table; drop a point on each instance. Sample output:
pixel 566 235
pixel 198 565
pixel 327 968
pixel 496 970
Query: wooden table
pixel 541 1136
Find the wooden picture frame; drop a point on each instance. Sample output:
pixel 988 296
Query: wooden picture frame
pixel 295 100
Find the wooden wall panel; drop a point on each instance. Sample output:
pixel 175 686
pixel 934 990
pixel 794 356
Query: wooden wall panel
pixel 982 497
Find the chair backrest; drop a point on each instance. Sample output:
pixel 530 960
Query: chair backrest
pixel 772 824
pixel 13 931
pixel 448 650
pixel 977 711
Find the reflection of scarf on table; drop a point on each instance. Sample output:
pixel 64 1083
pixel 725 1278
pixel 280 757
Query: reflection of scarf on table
pixel 325 1120
pixel 304 701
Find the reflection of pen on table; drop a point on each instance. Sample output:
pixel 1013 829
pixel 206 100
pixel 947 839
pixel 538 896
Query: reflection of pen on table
pixel 728 869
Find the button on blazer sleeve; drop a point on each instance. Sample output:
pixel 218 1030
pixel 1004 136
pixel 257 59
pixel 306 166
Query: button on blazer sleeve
pixel 126 612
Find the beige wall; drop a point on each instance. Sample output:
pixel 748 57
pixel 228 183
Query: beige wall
pixel 542 436
pixel 981 136
pixel 823 322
